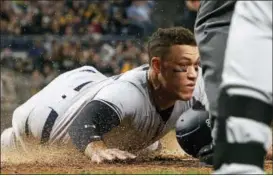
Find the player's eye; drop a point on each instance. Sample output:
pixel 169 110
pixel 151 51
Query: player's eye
pixel 182 68
pixel 196 67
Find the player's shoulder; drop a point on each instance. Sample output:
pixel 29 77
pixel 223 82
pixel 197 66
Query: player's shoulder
pixel 78 71
pixel 122 89
pixel 133 79
pixel 127 87
pixel 86 68
pixel 122 95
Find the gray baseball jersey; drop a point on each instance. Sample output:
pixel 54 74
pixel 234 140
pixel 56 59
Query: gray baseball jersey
pixel 127 94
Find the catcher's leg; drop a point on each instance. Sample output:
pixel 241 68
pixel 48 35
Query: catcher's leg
pixel 212 45
pixel 245 105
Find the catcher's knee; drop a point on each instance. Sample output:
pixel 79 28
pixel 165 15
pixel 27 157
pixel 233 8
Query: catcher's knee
pixel 243 125
pixel 244 106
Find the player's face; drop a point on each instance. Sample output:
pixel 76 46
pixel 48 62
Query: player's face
pixel 179 71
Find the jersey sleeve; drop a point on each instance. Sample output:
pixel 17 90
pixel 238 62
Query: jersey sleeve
pixel 123 97
pixel 93 121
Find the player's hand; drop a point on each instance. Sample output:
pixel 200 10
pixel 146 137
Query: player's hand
pixel 107 155
pixel 98 153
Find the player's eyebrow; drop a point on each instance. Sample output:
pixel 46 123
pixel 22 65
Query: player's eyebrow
pixel 187 59
pixel 197 60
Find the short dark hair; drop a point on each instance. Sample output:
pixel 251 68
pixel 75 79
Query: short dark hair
pixel 161 40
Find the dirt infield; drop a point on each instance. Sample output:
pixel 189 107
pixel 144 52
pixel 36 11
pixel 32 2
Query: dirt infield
pixel 84 167
pixel 171 160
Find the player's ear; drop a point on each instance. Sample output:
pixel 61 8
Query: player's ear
pixel 155 64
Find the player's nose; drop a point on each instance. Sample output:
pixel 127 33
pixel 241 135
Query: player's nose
pixel 192 73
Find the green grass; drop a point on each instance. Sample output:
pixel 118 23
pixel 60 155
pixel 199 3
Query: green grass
pixel 269 172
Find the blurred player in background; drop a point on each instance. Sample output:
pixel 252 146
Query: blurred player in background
pixel 114 118
pixel 211 32
pixel 245 103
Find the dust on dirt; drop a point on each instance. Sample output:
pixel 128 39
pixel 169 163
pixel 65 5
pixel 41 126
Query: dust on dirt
pixel 60 161
pixel 170 160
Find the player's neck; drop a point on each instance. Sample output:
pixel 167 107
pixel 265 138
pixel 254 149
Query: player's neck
pixel 159 96
pixel 162 102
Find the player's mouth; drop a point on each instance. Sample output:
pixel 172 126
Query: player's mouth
pixel 190 86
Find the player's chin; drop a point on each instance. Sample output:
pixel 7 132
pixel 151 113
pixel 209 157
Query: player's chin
pixel 185 96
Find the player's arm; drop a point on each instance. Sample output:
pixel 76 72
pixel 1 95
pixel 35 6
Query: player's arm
pixel 86 131
pixel 95 119
pixel 99 117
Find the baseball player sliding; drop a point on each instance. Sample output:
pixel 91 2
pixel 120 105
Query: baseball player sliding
pixel 114 118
